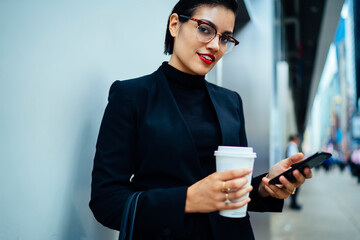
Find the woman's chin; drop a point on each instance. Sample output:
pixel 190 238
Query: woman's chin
pixel 205 70
pixel 202 69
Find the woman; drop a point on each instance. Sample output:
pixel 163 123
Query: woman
pixel 159 133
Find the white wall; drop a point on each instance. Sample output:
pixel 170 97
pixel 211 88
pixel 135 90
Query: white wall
pixel 57 62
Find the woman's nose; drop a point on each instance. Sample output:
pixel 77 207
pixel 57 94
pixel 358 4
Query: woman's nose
pixel 214 44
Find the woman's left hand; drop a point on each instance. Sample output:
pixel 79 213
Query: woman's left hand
pixel 286 187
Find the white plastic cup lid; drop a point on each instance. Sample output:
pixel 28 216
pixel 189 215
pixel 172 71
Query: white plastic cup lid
pixel 235 149
pixel 235 154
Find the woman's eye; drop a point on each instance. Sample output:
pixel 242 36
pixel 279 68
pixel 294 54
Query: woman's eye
pixel 225 39
pixel 204 29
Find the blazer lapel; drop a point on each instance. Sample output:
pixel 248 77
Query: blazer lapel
pixel 226 114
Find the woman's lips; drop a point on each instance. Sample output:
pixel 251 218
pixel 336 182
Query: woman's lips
pixel 207 58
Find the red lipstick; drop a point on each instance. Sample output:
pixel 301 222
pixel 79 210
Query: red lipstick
pixel 207 58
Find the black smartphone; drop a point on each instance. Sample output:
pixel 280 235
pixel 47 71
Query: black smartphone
pixel 310 162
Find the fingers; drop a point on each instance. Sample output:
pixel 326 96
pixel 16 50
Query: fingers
pixel 233 185
pixel 308 173
pixel 235 199
pixel 236 183
pixel 276 191
pixel 235 189
pixel 293 159
pixel 210 193
pixel 240 192
pixel 232 174
pixel 288 186
pixel 300 178
pixel 233 205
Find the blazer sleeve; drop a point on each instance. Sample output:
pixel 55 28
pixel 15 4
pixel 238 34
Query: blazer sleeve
pixel 261 204
pixel 257 203
pixel 159 210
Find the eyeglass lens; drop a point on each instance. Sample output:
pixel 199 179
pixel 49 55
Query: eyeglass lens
pixel 206 33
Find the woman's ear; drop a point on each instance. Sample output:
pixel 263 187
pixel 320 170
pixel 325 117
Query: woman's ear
pixel 174 24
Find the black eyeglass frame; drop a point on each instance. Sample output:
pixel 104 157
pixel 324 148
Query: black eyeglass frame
pixel 199 22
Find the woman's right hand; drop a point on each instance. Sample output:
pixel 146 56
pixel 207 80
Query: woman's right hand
pixel 207 195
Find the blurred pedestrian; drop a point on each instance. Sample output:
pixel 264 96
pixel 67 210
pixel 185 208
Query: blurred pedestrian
pixel 292 148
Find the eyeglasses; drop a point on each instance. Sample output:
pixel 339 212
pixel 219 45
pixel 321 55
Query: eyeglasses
pixel 205 33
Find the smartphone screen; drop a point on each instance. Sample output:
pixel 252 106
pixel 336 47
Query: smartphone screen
pixel 312 161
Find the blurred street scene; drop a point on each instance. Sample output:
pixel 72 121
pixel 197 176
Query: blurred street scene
pixel 330 209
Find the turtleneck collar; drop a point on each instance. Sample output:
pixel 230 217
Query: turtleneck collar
pixel 182 79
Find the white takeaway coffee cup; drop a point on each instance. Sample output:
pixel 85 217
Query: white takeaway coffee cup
pixel 230 158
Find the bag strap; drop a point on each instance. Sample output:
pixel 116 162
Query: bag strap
pixel 128 216
pixel 133 213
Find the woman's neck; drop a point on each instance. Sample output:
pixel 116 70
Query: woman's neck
pixel 181 78
pixel 176 63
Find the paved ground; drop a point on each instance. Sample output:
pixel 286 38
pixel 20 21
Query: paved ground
pixel 330 209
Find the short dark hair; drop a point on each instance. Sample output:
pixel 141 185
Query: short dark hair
pixel 293 137
pixel 187 8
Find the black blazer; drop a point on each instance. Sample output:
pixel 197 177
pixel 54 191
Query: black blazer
pixel 145 144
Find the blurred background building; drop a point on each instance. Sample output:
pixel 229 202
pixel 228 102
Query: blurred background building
pixel 297 69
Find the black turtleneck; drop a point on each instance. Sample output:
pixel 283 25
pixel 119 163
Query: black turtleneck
pixel 194 102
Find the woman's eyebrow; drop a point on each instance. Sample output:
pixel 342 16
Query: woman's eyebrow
pixel 228 32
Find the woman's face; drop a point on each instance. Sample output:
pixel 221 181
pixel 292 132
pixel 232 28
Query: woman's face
pixel 189 54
